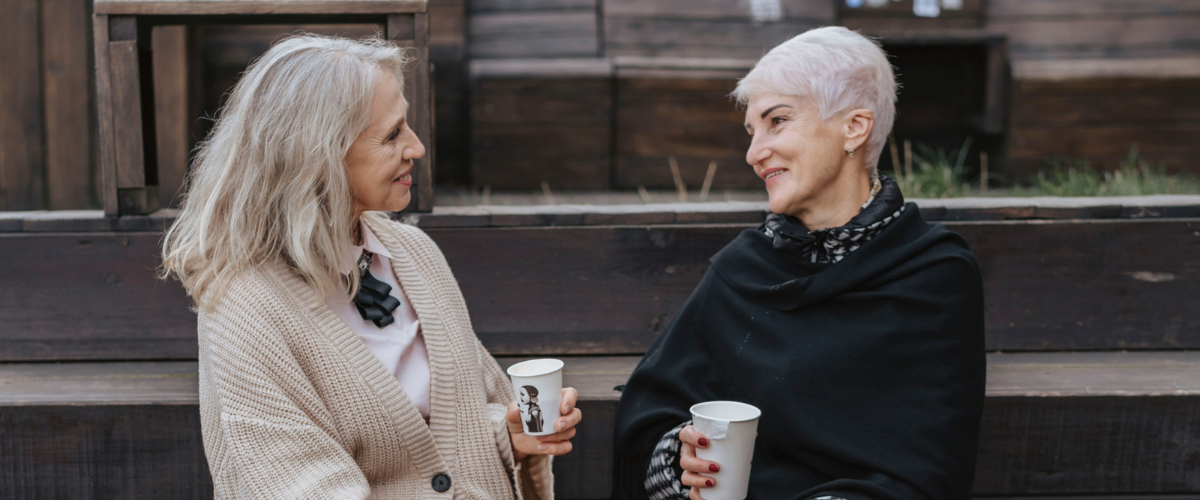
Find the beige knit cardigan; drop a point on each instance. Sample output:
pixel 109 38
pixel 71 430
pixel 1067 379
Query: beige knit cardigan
pixel 294 405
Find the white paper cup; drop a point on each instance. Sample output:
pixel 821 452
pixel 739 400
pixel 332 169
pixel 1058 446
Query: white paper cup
pixel 731 428
pixel 538 386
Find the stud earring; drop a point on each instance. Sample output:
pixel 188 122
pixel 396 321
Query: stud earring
pixel 850 153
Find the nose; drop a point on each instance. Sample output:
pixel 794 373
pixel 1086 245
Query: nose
pixel 416 150
pixel 758 152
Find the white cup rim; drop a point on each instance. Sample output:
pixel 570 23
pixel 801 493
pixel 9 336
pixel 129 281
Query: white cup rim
pixel 698 410
pixel 550 366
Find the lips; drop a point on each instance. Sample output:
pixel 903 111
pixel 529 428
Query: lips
pixel 770 173
pixel 405 179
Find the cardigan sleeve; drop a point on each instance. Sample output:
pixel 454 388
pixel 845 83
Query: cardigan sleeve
pixel 262 442
pixel 533 478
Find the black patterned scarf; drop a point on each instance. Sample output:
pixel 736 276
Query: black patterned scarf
pixel 829 245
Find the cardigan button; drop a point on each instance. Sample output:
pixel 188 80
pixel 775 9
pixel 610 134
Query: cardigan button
pixel 441 483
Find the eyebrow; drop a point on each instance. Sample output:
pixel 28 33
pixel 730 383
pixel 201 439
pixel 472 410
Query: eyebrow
pixel 773 108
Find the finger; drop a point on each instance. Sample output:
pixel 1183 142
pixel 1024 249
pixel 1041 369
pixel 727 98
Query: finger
pixel 694 494
pixel 514 413
pixel 558 436
pixel 697 465
pixel 697 481
pixel 687 451
pixel 555 448
pixel 569 397
pixel 568 420
pixel 689 435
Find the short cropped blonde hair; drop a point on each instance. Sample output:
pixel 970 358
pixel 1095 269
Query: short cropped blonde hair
pixel 269 183
pixel 839 70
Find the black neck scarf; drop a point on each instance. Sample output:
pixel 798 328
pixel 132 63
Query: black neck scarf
pixel 373 299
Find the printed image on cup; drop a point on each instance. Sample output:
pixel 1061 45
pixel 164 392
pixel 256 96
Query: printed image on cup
pixel 731 428
pixel 538 386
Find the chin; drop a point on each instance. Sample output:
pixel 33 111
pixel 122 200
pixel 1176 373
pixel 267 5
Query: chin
pixel 397 204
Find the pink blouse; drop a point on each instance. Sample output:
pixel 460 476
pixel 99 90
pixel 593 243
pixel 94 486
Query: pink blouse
pixel 400 345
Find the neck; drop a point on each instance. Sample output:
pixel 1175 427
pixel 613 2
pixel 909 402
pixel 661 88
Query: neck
pixel 356 228
pixel 839 202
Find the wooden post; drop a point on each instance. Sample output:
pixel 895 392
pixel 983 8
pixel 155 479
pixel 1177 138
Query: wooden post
pixel 411 31
pixel 130 133
pixel 104 117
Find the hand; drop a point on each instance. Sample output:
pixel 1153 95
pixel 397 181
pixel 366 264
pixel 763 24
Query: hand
pixel 558 443
pixel 694 468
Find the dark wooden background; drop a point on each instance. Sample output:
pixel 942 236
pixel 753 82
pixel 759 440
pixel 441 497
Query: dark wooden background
pixel 1090 80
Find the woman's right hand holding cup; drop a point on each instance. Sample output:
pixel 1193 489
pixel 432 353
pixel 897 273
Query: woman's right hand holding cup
pixel 694 469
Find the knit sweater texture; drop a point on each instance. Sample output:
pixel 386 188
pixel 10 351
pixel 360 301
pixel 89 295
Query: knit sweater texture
pixel 294 405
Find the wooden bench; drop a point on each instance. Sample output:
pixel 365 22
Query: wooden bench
pixel 125 88
pixel 595 285
pixel 1055 423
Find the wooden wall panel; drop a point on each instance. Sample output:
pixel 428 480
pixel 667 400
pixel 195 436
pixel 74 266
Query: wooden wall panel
pixel 525 131
pixel 707 28
pixel 897 17
pixel 1002 9
pixel 171 101
pixel 1062 285
pixel 99 452
pixel 1121 37
pixel 22 153
pixel 448 53
pixel 693 120
pixel 565 33
pixel 69 107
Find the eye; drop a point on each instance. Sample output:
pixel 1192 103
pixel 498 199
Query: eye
pixel 391 137
pixel 777 120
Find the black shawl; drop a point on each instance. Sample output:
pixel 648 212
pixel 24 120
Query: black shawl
pixel 869 372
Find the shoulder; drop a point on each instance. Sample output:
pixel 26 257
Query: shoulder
pixel 256 307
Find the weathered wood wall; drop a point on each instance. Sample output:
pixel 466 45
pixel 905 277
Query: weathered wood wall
pixel 1051 285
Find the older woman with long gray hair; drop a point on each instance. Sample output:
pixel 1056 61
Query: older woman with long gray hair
pixel 851 322
pixel 337 359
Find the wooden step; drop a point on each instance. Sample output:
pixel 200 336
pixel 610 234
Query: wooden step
pixel 553 280
pixel 1067 424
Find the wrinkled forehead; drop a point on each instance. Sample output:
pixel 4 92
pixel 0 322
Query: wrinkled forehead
pixel 759 106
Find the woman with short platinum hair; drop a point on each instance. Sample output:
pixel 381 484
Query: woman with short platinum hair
pixel 851 322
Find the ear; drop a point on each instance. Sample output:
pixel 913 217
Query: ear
pixel 857 128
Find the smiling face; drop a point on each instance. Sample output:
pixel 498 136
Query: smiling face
pixel 379 162
pixel 797 154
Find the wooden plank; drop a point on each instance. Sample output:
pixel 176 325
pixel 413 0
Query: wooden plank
pixel 138 451
pixel 105 135
pixel 1074 425
pixel 1090 8
pixel 520 5
pixel 698 37
pixel 256 7
pixel 1061 285
pixel 1032 147
pixel 570 33
pixel 525 131
pixel 66 74
pixel 22 157
pixel 127 111
pixel 90 296
pixel 1143 102
pixel 1136 37
pixel 692 120
pixel 1081 72
pixel 171 107
pixel 815 10
pixel 447 53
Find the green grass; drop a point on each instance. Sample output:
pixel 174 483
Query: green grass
pixel 1135 177
pixel 937 173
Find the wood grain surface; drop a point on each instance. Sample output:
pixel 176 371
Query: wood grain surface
pixel 1072 425
pixel 1049 285
pixel 22 159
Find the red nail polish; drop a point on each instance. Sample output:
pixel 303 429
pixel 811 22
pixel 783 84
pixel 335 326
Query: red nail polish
pixel 708 482
pixel 713 468
pixel 703 441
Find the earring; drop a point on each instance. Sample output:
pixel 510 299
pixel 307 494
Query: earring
pixel 850 153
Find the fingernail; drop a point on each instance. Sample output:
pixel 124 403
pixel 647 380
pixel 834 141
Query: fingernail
pixel 703 441
pixel 542 447
pixel 713 468
pixel 708 482
pixel 560 426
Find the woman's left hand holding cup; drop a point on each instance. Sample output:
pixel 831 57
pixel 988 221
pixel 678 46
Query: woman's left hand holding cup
pixel 558 443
